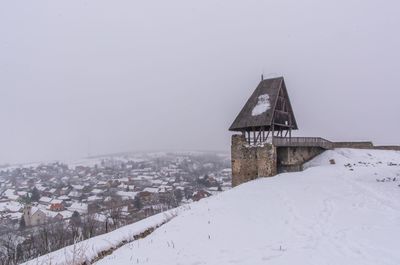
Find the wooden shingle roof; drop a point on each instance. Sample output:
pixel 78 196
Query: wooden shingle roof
pixel 259 110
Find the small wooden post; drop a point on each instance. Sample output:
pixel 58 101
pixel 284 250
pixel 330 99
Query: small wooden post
pixel 273 133
pixel 263 134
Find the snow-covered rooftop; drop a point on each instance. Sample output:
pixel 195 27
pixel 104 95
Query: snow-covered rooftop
pixel 79 207
pixel 152 190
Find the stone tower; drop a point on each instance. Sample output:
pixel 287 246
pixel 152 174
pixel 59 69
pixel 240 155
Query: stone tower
pixel 267 115
pixel 27 214
pixel 251 162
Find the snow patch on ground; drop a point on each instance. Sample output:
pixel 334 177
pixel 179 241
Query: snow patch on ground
pixel 262 105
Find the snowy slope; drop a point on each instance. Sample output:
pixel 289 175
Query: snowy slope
pixel 89 249
pixel 327 214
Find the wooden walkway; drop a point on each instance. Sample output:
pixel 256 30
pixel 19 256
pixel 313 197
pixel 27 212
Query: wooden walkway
pixel 302 141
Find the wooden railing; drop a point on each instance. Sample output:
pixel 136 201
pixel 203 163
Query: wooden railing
pixel 303 141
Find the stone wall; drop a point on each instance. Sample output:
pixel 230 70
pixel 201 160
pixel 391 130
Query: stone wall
pixel 388 147
pixel 358 145
pixel 292 158
pixel 365 145
pixel 266 160
pixel 251 162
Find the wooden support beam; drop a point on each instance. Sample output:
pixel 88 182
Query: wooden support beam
pixel 259 136
pixel 267 135
pixel 263 135
pixel 273 127
pixel 256 138
pixel 283 125
pixel 282 111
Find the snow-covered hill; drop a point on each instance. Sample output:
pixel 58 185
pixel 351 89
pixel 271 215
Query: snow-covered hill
pixel 347 213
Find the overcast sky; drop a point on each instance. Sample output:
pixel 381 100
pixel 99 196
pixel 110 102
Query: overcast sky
pixel 95 77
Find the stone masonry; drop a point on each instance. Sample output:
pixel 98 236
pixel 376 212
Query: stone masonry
pixel 251 162
pixel 292 158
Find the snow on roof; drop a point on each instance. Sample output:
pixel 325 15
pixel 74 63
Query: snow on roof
pixel 15 215
pixel 48 213
pixel 12 197
pixel 9 192
pixel 34 209
pixel 127 194
pixel 151 190
pixel 124 179
pixel 101 182
pixel 157 181
pixel 22 193
pixel 96 191
pixel 164 188
pixel 40 187
pixel 56 201
pixel 79 207
pixel 259 108
pixel 93 198
pixel 144 177
pixel 78 187
pixel 108 198
pixel 262 105
pixel 74 193
pixel 66 214
pixel 45 199
pixel 12 206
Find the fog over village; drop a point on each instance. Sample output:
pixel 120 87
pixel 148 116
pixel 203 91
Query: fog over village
pixel 97 195
pixel 169 124
pixel 94 77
